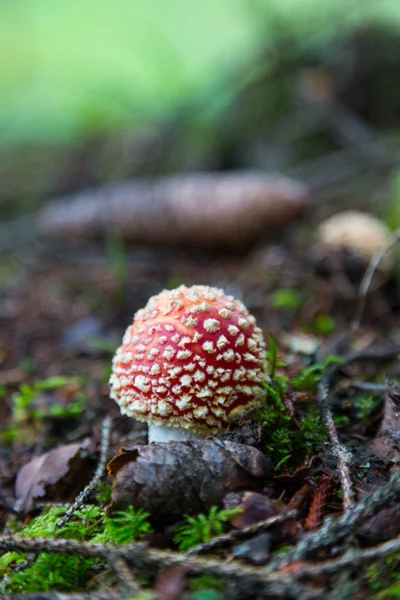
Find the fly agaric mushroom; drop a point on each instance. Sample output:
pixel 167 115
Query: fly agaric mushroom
pixel 361 234
pixel 192 362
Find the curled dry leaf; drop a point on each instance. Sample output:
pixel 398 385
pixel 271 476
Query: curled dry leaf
pixel 198 209
pixel 169 479
pixel 50 474
pixel 256 507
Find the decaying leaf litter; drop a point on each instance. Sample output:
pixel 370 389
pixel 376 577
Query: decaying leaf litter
pixel 304 501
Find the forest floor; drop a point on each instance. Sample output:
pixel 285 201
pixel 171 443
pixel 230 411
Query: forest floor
pixel 326 524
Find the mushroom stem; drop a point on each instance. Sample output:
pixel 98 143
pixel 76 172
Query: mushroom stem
pixel 163 433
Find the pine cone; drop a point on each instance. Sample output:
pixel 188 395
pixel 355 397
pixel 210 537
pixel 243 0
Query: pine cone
pixel 185 477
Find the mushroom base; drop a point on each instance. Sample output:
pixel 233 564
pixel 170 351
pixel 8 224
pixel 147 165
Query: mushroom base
pixel 162 433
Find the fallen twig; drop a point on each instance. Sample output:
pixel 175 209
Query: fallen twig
pixel 337 530
pixel 240 534
pixel 87 491
pixel 340 451
pixel 243 580
pixel 352 559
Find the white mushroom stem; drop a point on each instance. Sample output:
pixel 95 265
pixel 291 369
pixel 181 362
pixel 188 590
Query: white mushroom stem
pixel 163 433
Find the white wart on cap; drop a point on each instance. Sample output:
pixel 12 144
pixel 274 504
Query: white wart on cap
pixel 192 359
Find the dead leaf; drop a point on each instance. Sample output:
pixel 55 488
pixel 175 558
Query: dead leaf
pixel 185 477
pixel 41 476
pixel 256 507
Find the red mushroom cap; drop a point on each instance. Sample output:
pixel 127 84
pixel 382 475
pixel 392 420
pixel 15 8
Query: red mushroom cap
pixel 193 358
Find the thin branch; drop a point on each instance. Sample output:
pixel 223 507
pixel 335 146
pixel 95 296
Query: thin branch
pixel 352 559
pixel 97 477
pixel 340 451
pixel 335 530
pixel 368 276
pixel 240 534
pixel 245 580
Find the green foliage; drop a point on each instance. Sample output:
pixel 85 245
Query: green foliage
pixel 58 572
pixel 27 393
pixel 54 571
pixel 285 440
pixel 127 526
pixel 308 379
pixel 364 406
pixel 341 420
pixel 289 300
pixel 324 325
pixel 384 577
pixel 393 216
pixel 27 409
pixel 206 582
pixel 207 594
pixel 279 383
pixel 23 400
pixel 202 528
pixel 117 257
pixel 103 495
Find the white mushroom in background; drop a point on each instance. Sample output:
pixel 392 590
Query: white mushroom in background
pixel 361 234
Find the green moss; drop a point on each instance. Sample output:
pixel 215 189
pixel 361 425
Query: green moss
pixel 126 526
pixel 384 577
pixel 28 410
pixel 289 300
pixel 202 528
pixel 289 439
pixel 68 573
pixel 364 406
pixel 324 325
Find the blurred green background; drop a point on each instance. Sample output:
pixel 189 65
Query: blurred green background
pixel 69 69
pixel 94 91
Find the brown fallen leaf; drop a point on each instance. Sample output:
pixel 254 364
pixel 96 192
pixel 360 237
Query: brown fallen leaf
pixel 169 479
pixel 46 475
pixel 197 209
pixel 256 507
